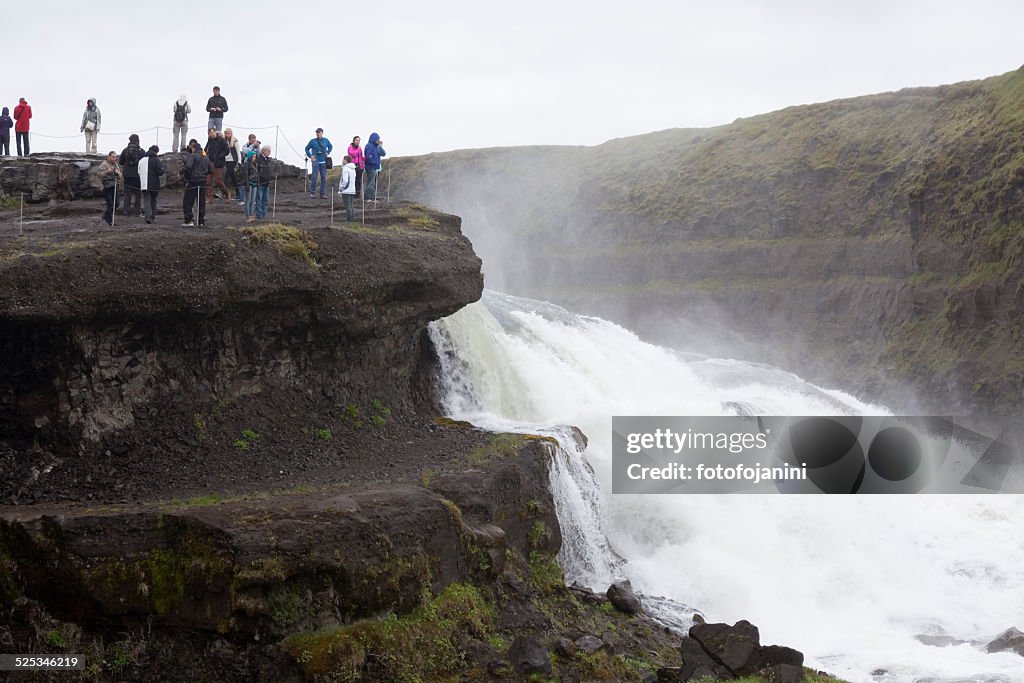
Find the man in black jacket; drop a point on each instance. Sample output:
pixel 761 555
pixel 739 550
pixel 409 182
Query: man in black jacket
pixel 217 152
pixel 130 157
pixel 195 169
pixel 216 105
pixel 151 171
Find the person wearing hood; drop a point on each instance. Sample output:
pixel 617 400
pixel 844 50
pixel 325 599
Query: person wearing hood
pixel 151 171
pixel 373 152
pixel 181 111
pixel 91 120
pixel 347 187
pixel 130 157
pixel 6 123
pixel 22 114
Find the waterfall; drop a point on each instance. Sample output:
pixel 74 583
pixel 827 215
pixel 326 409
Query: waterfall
pixel 855 582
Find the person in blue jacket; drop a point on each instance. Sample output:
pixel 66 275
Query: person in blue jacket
pixel 317 150
pixel 373 152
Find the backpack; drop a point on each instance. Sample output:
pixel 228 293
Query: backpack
pixel 179 111
pixel 130 158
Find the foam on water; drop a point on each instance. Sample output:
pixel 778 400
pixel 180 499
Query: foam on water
pixel 850 581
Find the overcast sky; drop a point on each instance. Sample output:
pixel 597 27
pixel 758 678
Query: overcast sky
pixel 433 75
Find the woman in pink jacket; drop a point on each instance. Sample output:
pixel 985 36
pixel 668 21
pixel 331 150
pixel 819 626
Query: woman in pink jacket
pixel 355 153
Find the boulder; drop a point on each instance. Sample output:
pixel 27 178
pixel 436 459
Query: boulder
pixel 783 673
pixel 698 664
pixel 738 649
pixel 623 598
pixel 734 646
pixel 589 644
pixel 529 656
pixel 1010 640
pixel 64 176
pixel 566 648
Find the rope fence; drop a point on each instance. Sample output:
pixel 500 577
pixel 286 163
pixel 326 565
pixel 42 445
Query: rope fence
pixel 278 136
pixel 199 127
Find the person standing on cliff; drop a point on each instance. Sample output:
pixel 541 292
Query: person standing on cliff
pixel 347 187
pixel 217 152
pixel 249 150
pixel 195 169
pixel 109 173
pixel 317 150
pixel 251 180
pixel 373 152
pixel 181 111
pixel 6 123
pixel 217 106
pixel 231 161
pixel 151 172
pixel 265 174
pixel 91 120
pixel 130 157
pixel 22 114
pixel 355 152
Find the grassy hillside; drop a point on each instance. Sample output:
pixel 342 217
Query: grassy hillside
pixel 873 242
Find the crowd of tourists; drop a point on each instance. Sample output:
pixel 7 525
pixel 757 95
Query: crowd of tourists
pixel 209 171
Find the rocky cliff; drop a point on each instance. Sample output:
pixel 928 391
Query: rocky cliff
pixel 219 461
pixel 128 341
pixel 873 243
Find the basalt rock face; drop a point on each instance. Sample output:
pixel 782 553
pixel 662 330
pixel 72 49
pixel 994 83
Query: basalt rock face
pixel 110 335
pixel 874 243
pixel 64 176
pixel 227 585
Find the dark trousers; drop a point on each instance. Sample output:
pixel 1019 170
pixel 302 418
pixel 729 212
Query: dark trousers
pixel 108 194
pixel 359 182
pixel 5 145
pixel 371 183
pixel 149 204
pixel 132 195
pixel 350 212
pixel 194 193
pixel 232 179
pixel 22 138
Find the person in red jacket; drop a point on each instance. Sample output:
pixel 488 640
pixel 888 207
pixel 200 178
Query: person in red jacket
pixel 22 113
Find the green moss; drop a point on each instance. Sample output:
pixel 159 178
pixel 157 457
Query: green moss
pixel 289 240
pixel 287 604
pixel 421 646
pixel 602 666
pixel 449 422
pixel 10 588
pixel 167 577
pixel 538 536
pixel 189 560
pixel 263 570
pixel 545 574
pixel 500 446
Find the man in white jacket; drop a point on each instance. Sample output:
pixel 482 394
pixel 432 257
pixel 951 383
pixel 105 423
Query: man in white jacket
pixel 347 187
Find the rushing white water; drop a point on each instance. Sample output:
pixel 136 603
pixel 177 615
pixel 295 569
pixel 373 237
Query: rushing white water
pixel 849 580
